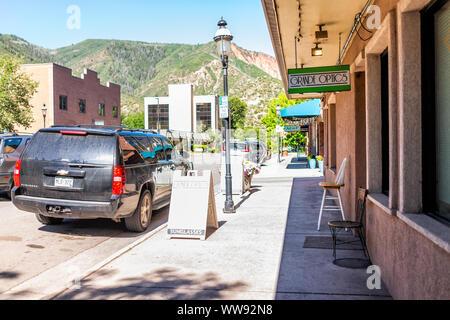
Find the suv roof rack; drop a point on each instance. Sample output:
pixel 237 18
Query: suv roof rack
pixel 119 128
pixel 109 127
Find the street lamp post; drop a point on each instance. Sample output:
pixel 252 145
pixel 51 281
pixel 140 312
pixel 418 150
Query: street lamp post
pixel 44 112
pixel 278 122
pixel 223 39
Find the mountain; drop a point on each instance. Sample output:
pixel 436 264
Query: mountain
pixel 146 69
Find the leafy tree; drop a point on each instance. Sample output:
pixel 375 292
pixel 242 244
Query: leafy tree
pixel 270 120
pixel 134 120
pixel 238 111
pixel 295 139
pixel 16 91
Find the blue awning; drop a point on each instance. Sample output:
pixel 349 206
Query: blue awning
pixel 308 109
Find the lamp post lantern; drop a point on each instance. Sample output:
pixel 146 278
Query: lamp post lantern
pixel 44 112
pixel 278 122
pixel 223 39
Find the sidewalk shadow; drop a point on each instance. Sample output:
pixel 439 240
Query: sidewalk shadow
pixel 162 284
pixel 248 195
pixel 210 231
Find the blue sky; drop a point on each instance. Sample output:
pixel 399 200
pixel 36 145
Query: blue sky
pixel 44 22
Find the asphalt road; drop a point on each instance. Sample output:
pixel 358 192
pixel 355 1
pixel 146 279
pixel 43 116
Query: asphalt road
pixel 28 248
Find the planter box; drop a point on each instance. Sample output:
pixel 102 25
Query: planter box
pixel 320 165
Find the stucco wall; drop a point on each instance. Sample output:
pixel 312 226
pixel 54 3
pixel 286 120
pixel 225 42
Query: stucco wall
pixel 43 75
pixel 411 265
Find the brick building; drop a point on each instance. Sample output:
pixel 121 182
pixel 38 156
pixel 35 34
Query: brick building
pixel 71 100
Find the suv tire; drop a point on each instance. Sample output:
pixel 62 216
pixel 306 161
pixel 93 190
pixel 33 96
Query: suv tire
pixel 48 220
pixel 141 218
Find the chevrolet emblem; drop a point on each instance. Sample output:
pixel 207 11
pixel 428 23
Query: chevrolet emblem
pixel 62 173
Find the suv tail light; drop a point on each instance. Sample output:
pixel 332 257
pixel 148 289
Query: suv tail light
pixel 17 173
pixel 119 180
pixel 247 149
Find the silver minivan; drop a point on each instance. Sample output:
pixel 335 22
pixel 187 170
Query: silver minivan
pixel 11 146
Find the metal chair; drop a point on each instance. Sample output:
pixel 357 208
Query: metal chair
pixel 337 185
pixel 357 225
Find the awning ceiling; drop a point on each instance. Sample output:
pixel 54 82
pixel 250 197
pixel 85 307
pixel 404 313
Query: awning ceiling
pixel 284 20
pixel 308 109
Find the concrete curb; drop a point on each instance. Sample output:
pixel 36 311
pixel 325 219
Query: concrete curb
pixel 105 262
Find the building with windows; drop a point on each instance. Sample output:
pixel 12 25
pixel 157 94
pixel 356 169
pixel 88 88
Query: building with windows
pixel 71 100
pixel 182 111
pixel 391 123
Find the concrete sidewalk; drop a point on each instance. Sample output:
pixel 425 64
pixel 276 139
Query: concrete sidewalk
pixel 257 253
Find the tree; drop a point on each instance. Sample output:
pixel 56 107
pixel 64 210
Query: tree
pixel 295 139
pixel 238 111
pixel 270 120
pixel 134 120
pixel 16 91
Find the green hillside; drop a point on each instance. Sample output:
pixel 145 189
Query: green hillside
pixel 146 69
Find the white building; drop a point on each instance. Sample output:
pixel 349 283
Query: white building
pixel 182 111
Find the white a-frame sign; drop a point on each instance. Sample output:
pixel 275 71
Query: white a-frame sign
pixel 192 206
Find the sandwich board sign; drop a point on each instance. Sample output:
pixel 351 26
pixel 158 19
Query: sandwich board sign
pixel 192 206
pixel 319 79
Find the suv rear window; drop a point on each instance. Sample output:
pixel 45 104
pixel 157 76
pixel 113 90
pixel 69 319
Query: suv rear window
pixel 89 149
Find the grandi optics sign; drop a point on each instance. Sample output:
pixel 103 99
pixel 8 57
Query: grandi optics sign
pixel 320 79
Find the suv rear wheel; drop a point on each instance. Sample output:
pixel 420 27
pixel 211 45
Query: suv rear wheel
pixel 140 220
pixel 48 220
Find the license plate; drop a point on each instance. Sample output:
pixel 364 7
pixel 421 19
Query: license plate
pixel 64 182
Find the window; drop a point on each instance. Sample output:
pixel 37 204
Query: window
pixel 131 152
pixel 332 133
pixel 101 109
pixel 158 112
pixel 82 106
pixel 203 114
pixel 158 148
pixel 11 145
pixel 115 112
pixel 436 110
pixel 385 122
pixel 62 102
pixel 170 151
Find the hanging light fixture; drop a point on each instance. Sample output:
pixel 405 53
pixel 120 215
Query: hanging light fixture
pixel 317 51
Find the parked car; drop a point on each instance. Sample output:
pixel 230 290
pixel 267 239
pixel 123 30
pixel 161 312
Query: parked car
pixel 238 147
pixel 11 146
pixel 88 173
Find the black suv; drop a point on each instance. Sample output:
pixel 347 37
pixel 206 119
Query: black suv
pixel 11 146
pixel 86 173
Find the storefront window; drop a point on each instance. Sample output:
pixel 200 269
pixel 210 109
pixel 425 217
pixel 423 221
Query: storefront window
pixel 436 109
pixel 442 47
